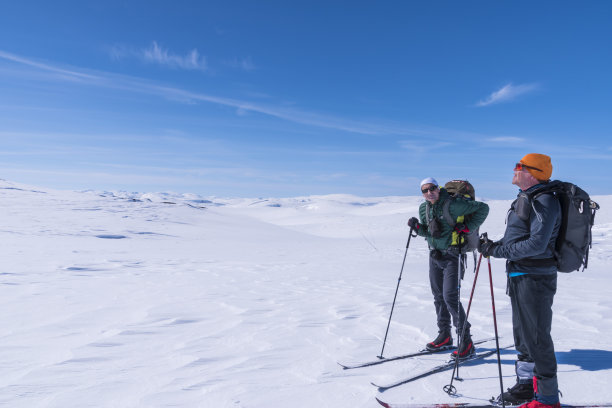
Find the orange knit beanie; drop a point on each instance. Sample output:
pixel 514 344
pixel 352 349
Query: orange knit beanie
pixel 541 162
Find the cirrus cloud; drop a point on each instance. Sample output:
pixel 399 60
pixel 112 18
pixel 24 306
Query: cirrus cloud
pixel 507 93
pixel 158 55
pixel 507 139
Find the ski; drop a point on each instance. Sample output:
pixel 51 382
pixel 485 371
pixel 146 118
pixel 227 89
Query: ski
pixel 438 369
pixel 415 354
pixel 477 405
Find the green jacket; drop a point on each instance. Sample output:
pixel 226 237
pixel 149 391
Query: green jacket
pixel 458 209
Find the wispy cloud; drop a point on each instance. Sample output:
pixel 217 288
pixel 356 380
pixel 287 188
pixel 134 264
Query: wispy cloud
pixel 66 74
pixel 507 139
pixel 288 113
pixel 507 93
pixel 135 84
pixel 421 149
pixel 157 54
pixel 245 64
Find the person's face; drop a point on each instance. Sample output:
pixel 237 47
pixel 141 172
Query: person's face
pixel 517 176
pixel 431 192
pixel 523 179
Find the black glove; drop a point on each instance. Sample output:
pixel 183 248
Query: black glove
pixel 461 228
pixel 414 223
pixel 486 247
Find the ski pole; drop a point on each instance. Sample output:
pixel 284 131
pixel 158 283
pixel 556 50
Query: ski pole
pixel 396 290
pixel 459 335
pixel 450 388
pixel 501 381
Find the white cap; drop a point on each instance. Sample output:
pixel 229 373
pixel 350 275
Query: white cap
pixel 429 180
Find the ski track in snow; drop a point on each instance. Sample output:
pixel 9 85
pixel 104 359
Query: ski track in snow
pixel 157 300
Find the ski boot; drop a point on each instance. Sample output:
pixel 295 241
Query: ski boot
pixel 466 348
pixel 444 341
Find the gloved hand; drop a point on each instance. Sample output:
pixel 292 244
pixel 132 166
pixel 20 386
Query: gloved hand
pixel 486 247
pixel 461 228
pixel 414 223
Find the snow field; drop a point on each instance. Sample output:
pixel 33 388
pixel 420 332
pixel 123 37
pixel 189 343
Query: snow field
pixel 126 300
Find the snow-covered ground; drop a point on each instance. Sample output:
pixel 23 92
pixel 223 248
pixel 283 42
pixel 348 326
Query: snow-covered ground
pixel 175 300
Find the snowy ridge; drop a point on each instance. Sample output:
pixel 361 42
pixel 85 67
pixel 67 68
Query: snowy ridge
pixel 115 299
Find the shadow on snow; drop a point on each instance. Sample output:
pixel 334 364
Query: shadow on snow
pixel 585 359
pixel 589 360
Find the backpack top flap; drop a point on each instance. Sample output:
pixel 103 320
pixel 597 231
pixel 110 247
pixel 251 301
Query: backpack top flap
pixel 460 188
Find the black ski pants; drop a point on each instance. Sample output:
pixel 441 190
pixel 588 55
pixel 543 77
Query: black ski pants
pixel 531 298
pixel 443 277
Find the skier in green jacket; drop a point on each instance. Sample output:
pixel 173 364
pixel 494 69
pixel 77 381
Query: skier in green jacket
pixel 444 259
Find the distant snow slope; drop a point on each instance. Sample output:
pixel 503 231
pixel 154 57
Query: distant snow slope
pixel 155 300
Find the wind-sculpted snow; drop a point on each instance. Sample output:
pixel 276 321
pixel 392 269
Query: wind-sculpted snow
pixel 116 299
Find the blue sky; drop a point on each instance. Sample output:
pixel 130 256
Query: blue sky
pixel 277 98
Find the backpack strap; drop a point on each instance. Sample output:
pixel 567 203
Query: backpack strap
pixel 428 211
pixel 428 218
pixel 524 208
pixel 532 262
pixel 550 188
pixel 446 212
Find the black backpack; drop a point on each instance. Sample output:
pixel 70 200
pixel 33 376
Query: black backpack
pixel 577 219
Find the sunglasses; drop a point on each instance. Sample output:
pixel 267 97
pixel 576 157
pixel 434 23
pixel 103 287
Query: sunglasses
pixel 430 189
pixel 521 166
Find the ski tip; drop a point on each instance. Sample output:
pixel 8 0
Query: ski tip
pixel 383 403
pixel 380 388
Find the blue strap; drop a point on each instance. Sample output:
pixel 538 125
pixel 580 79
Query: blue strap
pixel 515 274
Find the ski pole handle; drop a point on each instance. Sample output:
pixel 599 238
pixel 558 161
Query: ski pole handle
pixel 412 233
pixel 484 237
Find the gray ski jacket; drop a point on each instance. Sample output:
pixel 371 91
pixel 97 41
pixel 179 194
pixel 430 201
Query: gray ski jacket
pixel 532 227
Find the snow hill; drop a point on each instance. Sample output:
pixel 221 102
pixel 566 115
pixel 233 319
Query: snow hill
pixel 174 300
